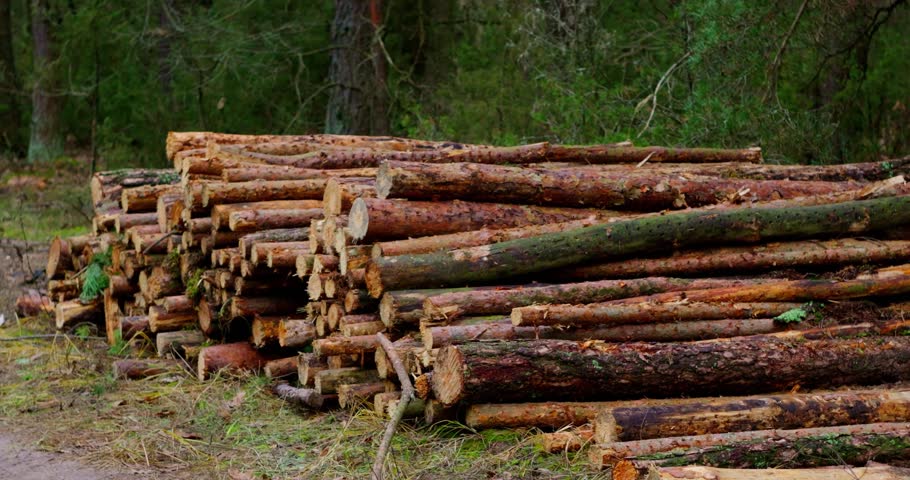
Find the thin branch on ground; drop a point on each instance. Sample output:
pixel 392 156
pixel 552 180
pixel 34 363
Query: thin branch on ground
pixel 407 394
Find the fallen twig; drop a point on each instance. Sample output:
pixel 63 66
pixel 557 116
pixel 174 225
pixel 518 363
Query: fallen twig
pixel 407 394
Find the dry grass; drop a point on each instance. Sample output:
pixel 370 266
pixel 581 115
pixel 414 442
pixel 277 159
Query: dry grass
pixel 60 394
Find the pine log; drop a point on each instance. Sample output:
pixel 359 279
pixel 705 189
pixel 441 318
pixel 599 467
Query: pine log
pixel 340 194
pixel 265 331
pixel 133 326
pixel 295 332
pixel 174 342
pixel 247 241
pixel 356 394
pixel 806 447
pixel 829 253
pixel 286 258
pixel 328 381
pixel 252 287
pixel 381 402
pixel 334 315
pixel 32 303
pixel 423 386
pixel 161 282
pixel 414 409
pixel 372 219
pixel 345 345
pixel 71 313
pixel 60 257
pixel 872 471
pixel 620 423
pixel 145 198
pixel 251 306
pixel 254 220
pixel 125 221
pixel 107 186
pixel 176 303
pixel 605 154
pixel 66 289
pixel 351 257
pixel 549 415
pixel 325 263
pixel 308 365
pixel 231 357
pixel 261 190
pixel 595 314
pixel 435 412
pixel 209 319
pixel 303 264
pixel 405 307
pixel 402 346
pixel 576 187
pixel 357 301
pixel 259 253
pixel 220 216
pixel 252 172
pixel 137 369
pixel 161 321
pixel 281 368
pixel 364 328
pixel 501 301
pixel 494 263
pixel 571 440
pixel 557 369
pixel 304 397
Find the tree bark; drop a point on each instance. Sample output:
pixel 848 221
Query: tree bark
pixel 813 254
pixel 137 369
pixel 872 471
pixel 478 302
pixel 500 261
pixel 248 240
pixel 373 219
pixel 259 190
pixel 46 141
pixel 806 447
pixel 254 220
pixel 328 381
pixel 221 213
pixel 294 332
pixel 281 368
pixel 581 187
pixel 359 301
pixel 231 357
pixel 174 342
pixel 340 193
pixel 109 186
pixel 10 119
pixel 175 303
pixel 557 370
pixel 248 173
pixel 248 307
pixel 160 321
pixel 602 154
pixel 345 345
pixel 602 314
pixel 304 397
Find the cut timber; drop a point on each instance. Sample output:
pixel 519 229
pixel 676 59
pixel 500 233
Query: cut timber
pixel 303 264
pixel 293 332
pixel 501 301
pixel 381 402
pixel 340 194
pixel 176 303
pixel 174 342
pixel 250 306
pixel 829 253
pixel 71 313
pixel 265 331
pixel 308 365
pixel 345 345
pixel 402 347
pixel 363 328
pixel 126 221
pixel 304 397
pixel 161 321
pixel 357 301
pixel 134 325
pixel 145 198
pixel 434 412
pixel 357 394
pixel 548 415
pixel 136 369
pixel 702 416
pixel 609 314
pixel 286 258
pixel 221 213
pixel 577 187
pixel 328 381
pixel 393 219
pixel 254 220
pixel 231 357
pixel 260 251
pixel 405 307
pixel 107 186
pixel 872 471
pixel 571 440
pixel 851 445
pixel 280 368
pixel 496 262
pixel 474 238
pixel 557 369
pixel 247 241
pixel 249 173
pixel 606 154
pixel 260 190
pixel 60 257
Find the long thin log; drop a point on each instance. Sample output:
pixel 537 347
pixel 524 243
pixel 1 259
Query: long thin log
pixel 872 471
pixel 249 173
pixel 605 154
pixel 327 381
pixel 220 215
pixel 392 219
pixel 247 241
pixel 557 369
pixel 850 444
pixel 145 198
pixel 256 191
pixel 494 263
pixel 253 220
pixel 609 314
pixel 574 187
pixel 345 345
pixel 73 312
pixel 175 342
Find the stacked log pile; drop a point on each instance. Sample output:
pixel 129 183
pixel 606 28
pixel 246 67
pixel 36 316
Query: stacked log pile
pixel 543 286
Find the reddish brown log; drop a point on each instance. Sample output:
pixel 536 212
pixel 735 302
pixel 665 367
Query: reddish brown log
pixel 60 257
pixel 260 250
pixel 32 303
pixel 327 381
pixel 176 303
pixel 247 241
pixel 176 342
pixel 247 173
pixel 295 332
pixel 125 221
pixel 300 396
pixel 160 321
pixel 256 191
pixel 345 345
pixel 359 301
pixel 248 307
pixel 231 357
pixel 605 154
pixel 281 368
pixel 72 312
pixel 265 331
pixel 221 213
pixel 608 314
pixel 137 369
pixel 145 198
pixel 107 186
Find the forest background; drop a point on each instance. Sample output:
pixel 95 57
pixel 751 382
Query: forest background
pixel 809 81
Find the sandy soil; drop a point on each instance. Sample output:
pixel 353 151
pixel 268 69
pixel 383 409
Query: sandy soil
pixel 23 462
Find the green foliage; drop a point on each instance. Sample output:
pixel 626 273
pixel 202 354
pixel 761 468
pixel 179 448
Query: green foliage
pixel 95 280
pixel 795 315
pixel 194 285
pixel 120 347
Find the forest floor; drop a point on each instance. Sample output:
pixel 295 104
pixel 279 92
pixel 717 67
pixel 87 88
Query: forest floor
pixel 62 410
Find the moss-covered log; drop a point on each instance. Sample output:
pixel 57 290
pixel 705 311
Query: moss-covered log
pixel 621 239
pixel 562 370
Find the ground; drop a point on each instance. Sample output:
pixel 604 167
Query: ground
pixel 62 415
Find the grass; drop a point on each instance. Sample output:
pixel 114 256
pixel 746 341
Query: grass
pixel 61 394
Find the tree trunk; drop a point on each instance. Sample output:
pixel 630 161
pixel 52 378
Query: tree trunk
pixel 10 119
pixel 248 240
pixel 557 370
pixel 145 198
pixel 159 321
pixel 813 254
pixel 46 141
pixel 340 193
pixel 806 447
pixel 364 328
pixel 621 423
pixel 345 345
pixel 478 302
pixel 72 313
pixel 248 173
pixel 358 101
pixel 294 332
pixel 374 219
pixel 109 186
pixel 359 301
pixel 248 307
pixel 176 303
pixel 500 261
pixel 581 187
pixel 603 314
pixel 571 440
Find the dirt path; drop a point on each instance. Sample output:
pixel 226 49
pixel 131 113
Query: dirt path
pixel 20 462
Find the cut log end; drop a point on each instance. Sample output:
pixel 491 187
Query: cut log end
pixel 383 181
pixel 448 383
pixel 373 279
pixel 358 220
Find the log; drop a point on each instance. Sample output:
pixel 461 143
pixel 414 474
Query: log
pixel 137 369
pixel 71 313
pixel 325 263
pixel 851 445
pixel 607 154
pixel 558 369
pixel 340 193
pixel 125 221
pixel 381 402
pixel 372 219
pixel 265 331
pixel 176 303
pixel 145 198
pixel 620 423
pixel 308 365
pixel 60 256
pixel 259 253
pixel 247 241
pixel 252 172
pixel 303 264
pixel 281 368
pixel 304 397
pixel 295 332
pixel 872 471
pixel 251 306
pixel 345 345
pixel 161 321
pixel 109 185
pixel 595 314
pixel 414 409
pixel 32 303
pixel 402 346
pixel 230 357
pixel 132 326
pixel 494 263
pixel 498 328
pixel 220 215
pixel 356 301
pixel 261 190
pixel 501 301
pixel 327 381
pixel 543 415
pixel 577 187
pixel 254 220
pixel 287 258
pixel 435 412
pixel 812 254
pixel 357 394
pixel 174 342
pixel 405 307
pixel 474 238
pixel 571 440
